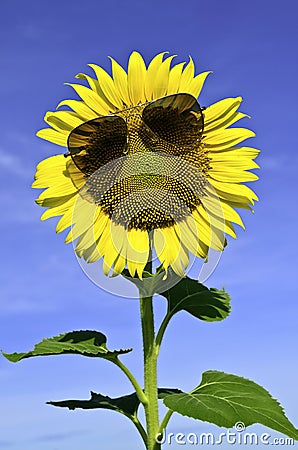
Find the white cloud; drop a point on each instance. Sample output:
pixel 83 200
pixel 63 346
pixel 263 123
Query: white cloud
pixel 13 164
pixel 282 163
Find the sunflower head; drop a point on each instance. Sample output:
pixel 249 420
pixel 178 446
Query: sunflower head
pixel 146 169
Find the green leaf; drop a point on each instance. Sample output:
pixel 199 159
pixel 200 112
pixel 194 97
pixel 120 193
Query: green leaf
pixel 184 294
pixel 127 404
pixel 86 343
pixel 163 392
pixel 225 399
pixel 199 301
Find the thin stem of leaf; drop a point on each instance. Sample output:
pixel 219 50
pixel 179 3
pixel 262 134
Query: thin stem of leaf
pixel 165 421
pixel 161 331
pixel 139 391
pixel 140 428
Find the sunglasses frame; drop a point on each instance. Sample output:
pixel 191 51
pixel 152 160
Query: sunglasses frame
pixel 144 105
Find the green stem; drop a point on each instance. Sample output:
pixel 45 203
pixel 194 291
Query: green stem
pixel 140 394
pixel 150 372
pixel 165 421
pixel 161 331
pixel 142 397
pixel 139 427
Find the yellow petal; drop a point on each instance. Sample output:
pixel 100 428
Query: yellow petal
pixel 80 109
pixel 63 120
pixel 93 83
pixel 65 221
pixel 136 78
pixel 64 188
pixel 159 243
pixel 97 89
pixel 219 110
pixel 201 249
pixel 187 76
pixel 58 175
pixel 221 209
pixel 118 237
pixel 106 248
pixel 120 81
pixel 119 264
pixel 91 99
pixel 211 237
pixel 152 70
pixel 230 175
pixel 90 254
pixel 189 235
pixel 137 251
pixel 226 138
pixel 52 202
pixel 174 79
pixel 107 85
pixel 160 82
pixel 167 245
pixel 50 165
pixel 234 189
pixel 196 85
pixel 55 171
pixel 189 240
pixel 224 122
pixel 58 170
pixel 118 244
pixel 110 257
pixel 234 160
pixel 94 232
pixel 175 252
pixel 235 153
pixel 58 210
pixel 56 137
pixel 85 215
pixel 236 201
pixel 219 223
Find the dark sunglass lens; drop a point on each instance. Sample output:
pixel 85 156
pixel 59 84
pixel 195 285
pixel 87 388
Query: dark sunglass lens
pixel 176 119
pixel 97 142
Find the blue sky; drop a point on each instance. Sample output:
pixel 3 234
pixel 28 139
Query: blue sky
pixel 251 48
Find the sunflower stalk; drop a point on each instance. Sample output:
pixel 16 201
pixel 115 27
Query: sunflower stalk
pixel 150 367
pixel 150 372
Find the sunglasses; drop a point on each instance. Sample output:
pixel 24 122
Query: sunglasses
pixel 171 124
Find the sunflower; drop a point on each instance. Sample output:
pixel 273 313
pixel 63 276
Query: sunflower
pixel 146 168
